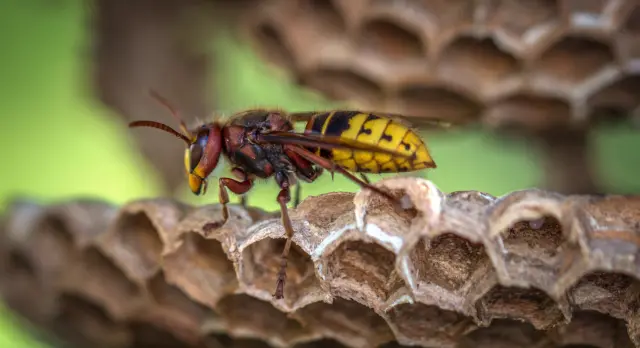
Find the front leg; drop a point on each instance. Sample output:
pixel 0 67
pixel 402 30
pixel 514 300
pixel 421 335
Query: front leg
pixel 237 187
pixel 240 174
pixel 283 198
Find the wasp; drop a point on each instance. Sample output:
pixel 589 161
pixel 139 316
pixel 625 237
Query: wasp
pixel 261 144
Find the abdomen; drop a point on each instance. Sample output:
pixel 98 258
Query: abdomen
pixel 372 129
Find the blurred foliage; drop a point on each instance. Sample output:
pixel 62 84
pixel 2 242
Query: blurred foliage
pixel 58 142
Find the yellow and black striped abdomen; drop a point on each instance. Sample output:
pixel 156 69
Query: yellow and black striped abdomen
pixel 369 128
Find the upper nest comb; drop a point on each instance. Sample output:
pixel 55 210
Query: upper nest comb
pixel 533 64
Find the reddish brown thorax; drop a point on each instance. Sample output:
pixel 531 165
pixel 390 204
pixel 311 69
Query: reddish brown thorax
pixel 233 137
pixel 277 122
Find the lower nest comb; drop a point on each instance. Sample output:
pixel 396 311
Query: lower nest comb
pixel 466 269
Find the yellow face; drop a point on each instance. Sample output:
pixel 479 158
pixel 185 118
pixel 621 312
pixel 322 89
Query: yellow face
pixel 187 160
pixel 196 182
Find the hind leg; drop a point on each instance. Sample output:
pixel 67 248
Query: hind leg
pixel 283 198
pixel 243 201
pixel 296 195
pixel 329 165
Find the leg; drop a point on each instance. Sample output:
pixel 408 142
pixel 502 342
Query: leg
pixel 243 201
pixel 240 174
pixel 329 165
pixel 237 187
pixel 283 198
pixel 305 172
pixel 365 178
pixel 296 195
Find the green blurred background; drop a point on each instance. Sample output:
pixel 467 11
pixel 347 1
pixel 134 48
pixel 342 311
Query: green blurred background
pixel 59 142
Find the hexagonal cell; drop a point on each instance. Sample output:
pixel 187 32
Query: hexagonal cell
pixel 621 212
pixel 362 271
pixel 615 294
pixel 248 317
pixel 347 322
pixel 538 252
pixel 437 103
pixel 272 45
pixel 417 323
pixel 540 241
pixel 51 247
pixel 96 277
pixel 462 211
pixel 83 323
pixel 616 100
pixel 478 64
pixel 525 23
pixel 135 245
pixel 393 344
pixel 633 329
pixel 449 261
pixel 328 343
pixel 447 14
pixel 86 220
pixel 225 341
pixel 610 225
pixel 261 263
pixel 572 61
pixel 201 268
pixel 336 212
pixel 146 335
pixel 454 264
pixel 19 221
pixel 344 84
pixel 323 15
pixel 503 333
pixel 174 311
pixel 629 37
pixel 387 222
pixel 388 39
pixel 592 14
pixel 592 329
pixel 18 263
pixel 23 292
pixel 531 305
pixel 529 112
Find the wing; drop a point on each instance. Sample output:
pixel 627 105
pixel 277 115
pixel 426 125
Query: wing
pixel 324 142
pixel 422 122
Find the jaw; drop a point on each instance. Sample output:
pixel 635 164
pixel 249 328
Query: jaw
pixel 197 184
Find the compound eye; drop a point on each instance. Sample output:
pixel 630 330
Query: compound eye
pixel 195 155
pixel 196 150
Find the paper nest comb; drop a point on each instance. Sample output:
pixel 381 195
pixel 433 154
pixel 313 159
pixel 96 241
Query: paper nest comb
pixel 466 269
pixel 535 64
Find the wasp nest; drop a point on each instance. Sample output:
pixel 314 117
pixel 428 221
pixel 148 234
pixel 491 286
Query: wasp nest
pixel 529 269
pixel 535 64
